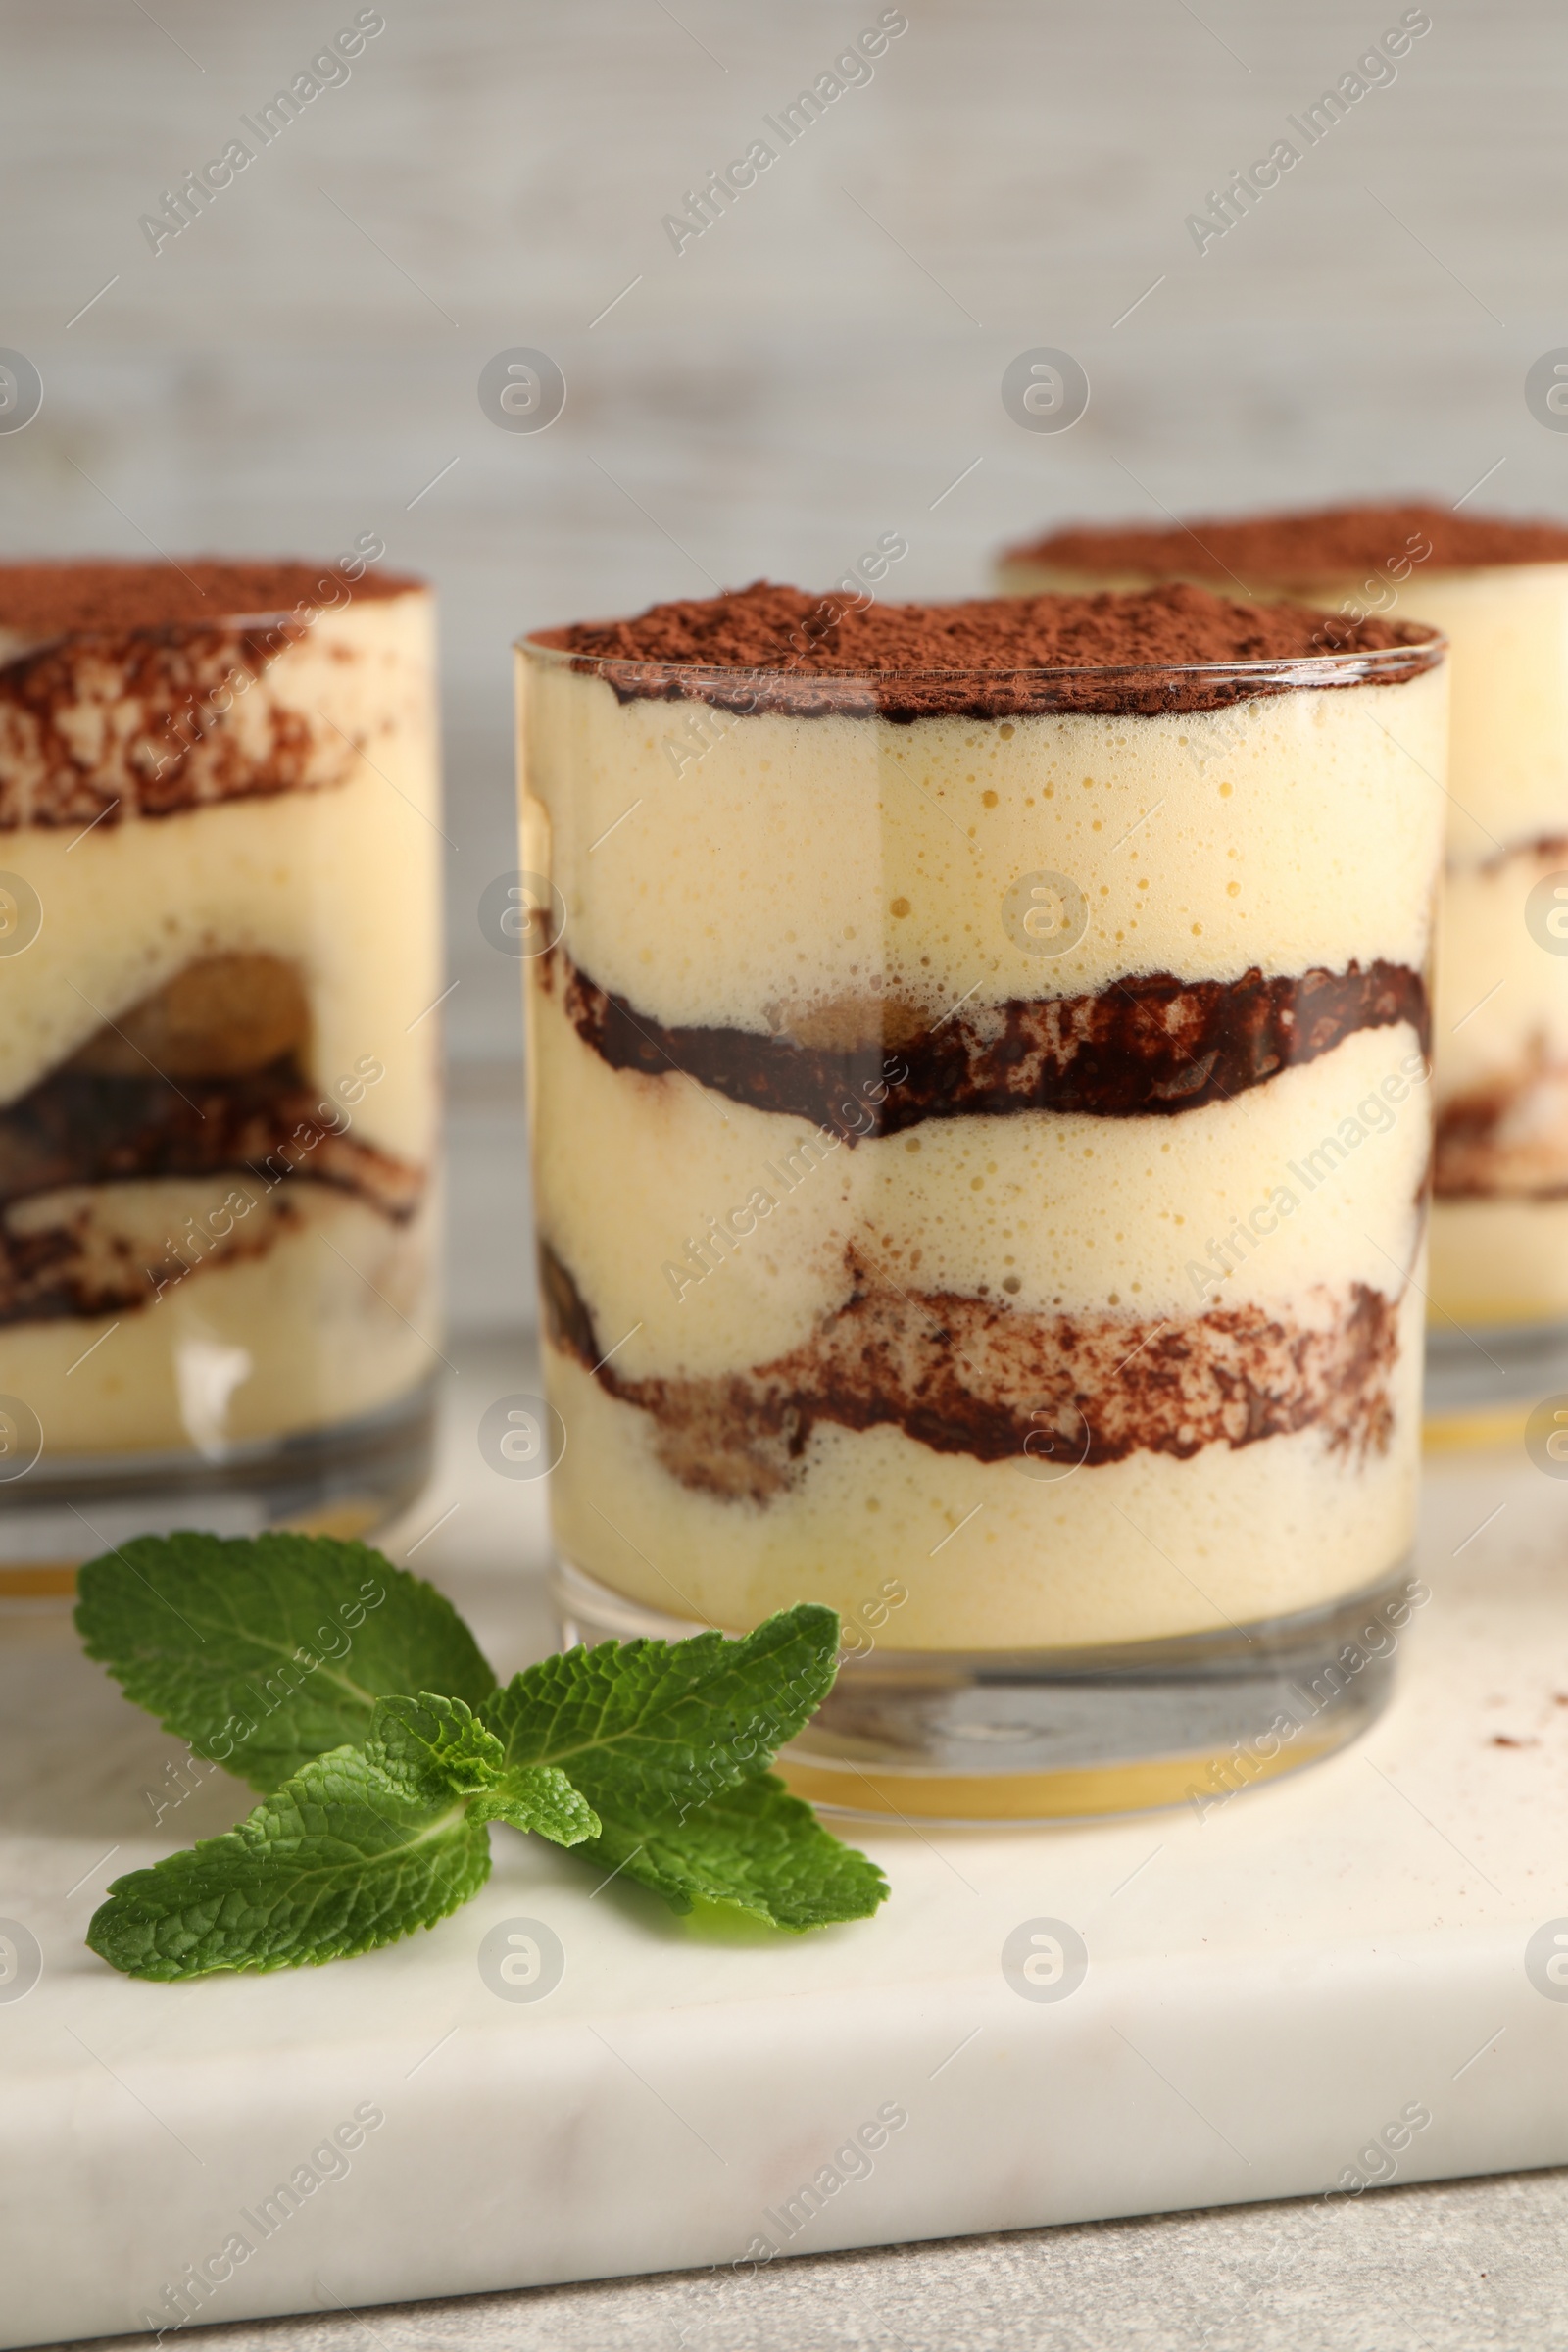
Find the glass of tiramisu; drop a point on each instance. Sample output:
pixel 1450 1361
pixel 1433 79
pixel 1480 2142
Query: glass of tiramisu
pixel 220 948
pixel 981 1140
pixel 1498 587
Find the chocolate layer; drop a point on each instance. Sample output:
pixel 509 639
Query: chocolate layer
pixel 1505 1141
pixel 80 1128
pixel 67 1146
pixel 268 1129
pixel 203 1079
pixel 1170 649
pixel 963 1375
pixel 1542 849
pixel 109 725
pixel 68 1255
pixel 1149 1046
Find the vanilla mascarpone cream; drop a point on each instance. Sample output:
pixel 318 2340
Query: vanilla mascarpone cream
pixel 1123 1347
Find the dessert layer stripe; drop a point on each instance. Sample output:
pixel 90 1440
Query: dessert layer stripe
pixel 71 1257
pixel 966 1376
pixel 1149 1045
pixel 127 723
pixel 1506 1140
pixel 78 1128
pixel 266 1128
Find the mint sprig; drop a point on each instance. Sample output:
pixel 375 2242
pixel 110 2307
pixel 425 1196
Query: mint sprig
pixel 650 1758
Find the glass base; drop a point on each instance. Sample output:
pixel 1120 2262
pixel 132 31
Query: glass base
pixel 345 1480
pixel 969 1738
pixel 1484 1382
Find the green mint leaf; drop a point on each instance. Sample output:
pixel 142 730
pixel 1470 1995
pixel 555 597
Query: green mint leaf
pixel 649 1727
pixel 753 1847
pixel 355 1849
pixel 666 1741
pixel 264 1651
pixel 539 1796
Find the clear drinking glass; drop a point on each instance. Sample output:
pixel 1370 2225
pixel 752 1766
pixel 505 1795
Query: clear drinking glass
pixel 981 1135
pixel 220 948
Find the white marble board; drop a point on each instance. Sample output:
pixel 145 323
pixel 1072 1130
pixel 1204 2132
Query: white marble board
pixel 1269 1990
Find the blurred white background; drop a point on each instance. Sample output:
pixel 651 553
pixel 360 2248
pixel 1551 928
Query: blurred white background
pixel 821 366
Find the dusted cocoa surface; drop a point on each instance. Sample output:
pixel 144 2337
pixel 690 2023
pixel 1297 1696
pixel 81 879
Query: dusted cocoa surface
pixel 963 1375
pixel 789 646
pixel 1149 1046
pixel 44 600
pixel 1291 549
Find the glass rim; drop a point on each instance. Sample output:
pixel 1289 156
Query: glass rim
pixel 1424 653
pixel 1136 689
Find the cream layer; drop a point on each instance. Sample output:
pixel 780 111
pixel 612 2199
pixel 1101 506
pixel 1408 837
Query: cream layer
pixel 1131 1551
pixel 310 1311
pixel 1053 1211
pixel 795 869
pixel 1499 1261
pixel 337 879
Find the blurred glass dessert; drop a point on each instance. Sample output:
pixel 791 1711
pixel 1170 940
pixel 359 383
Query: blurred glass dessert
pixel 980 1124
pixel 219 944
pixel 1498 587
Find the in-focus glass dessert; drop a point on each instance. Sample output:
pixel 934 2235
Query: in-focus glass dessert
pixel 220 946
pixel 981 1143
pixel 1498 587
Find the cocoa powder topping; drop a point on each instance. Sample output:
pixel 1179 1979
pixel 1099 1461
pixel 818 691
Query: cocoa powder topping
pixel 1300 548
pixel 987 656
pixel 42 599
